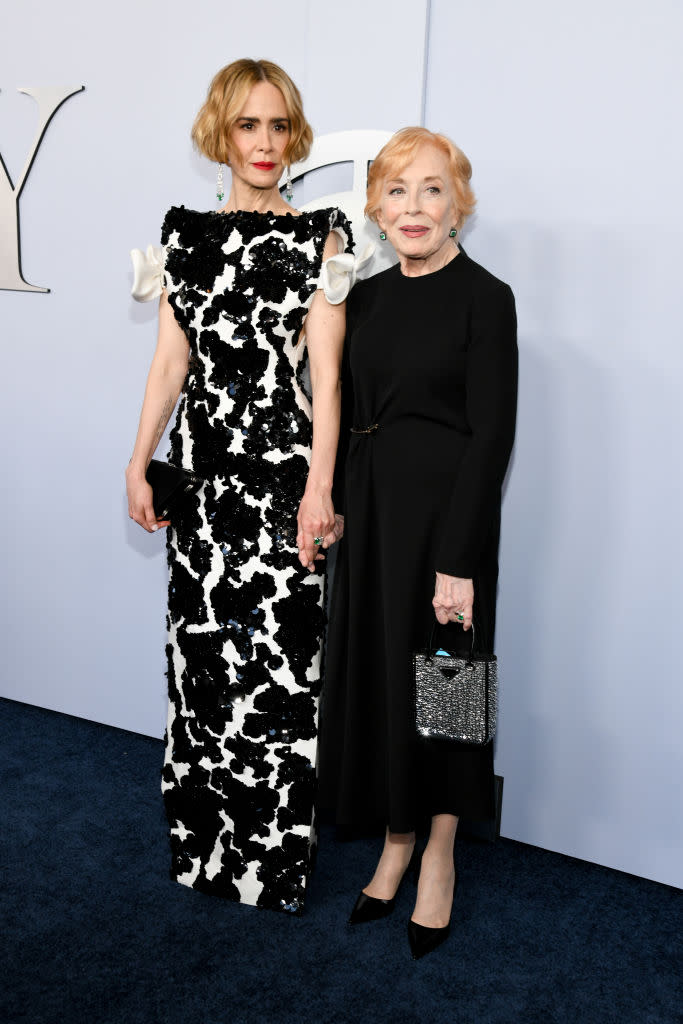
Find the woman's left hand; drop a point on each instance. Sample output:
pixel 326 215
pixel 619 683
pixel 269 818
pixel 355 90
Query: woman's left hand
pixel 337 532
pixel 316 520
pixel 453 600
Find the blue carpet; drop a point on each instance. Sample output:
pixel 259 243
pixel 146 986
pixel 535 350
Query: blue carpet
pixel 93 931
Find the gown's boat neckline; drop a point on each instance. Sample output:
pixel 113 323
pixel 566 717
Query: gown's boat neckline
pixel 266 214
pixel 255 213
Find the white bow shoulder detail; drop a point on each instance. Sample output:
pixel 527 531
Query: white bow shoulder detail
pixel 148 273
pixel 338 274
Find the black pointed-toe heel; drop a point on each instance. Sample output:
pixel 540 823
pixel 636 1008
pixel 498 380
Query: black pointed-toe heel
pixel 369 908
pixel 423 940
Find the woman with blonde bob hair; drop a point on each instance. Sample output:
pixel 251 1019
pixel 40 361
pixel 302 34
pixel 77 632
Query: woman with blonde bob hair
pixel 227 95
pixel 430 386
pixel 247 318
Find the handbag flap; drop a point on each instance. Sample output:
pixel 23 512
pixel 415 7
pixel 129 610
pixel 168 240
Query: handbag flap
pixel 168 483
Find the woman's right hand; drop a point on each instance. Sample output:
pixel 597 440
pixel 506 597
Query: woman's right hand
pixel 140 505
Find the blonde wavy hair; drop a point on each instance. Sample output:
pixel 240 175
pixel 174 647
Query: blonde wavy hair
pixel 400 150
pixel 226 98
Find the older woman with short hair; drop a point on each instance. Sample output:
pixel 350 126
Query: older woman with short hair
pixel 431 365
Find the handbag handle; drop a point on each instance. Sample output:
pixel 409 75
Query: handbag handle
pixel 431 650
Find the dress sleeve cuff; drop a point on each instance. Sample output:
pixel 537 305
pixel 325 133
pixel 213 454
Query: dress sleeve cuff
pixel 338 274
pixel 148 273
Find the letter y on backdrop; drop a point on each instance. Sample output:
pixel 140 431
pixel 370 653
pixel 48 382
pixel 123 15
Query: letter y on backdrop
pixel 49 100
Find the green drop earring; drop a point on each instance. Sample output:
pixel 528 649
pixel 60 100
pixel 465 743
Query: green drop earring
pixel 383 236
pixel 453 232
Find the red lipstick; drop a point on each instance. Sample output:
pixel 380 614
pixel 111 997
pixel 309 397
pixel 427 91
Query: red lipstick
pixel 264 165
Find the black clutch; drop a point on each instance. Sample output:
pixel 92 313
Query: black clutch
pixel 456 696
pixel 170 487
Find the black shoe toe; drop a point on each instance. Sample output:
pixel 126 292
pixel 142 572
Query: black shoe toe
pixel 368 908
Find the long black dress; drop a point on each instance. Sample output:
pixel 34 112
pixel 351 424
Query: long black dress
pixel 432 363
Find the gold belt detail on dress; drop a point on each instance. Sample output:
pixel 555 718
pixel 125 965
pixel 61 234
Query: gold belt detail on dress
pixel 365 430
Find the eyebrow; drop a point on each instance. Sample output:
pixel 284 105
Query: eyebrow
pixel 257 120
pixel 401 181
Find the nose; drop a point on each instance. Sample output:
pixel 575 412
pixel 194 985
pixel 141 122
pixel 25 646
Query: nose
pixel 263 138
pixel 413 198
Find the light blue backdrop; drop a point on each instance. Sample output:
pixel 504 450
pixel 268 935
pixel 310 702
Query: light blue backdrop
pixel 569 118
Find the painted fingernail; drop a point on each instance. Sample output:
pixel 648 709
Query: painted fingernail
pixel 155 527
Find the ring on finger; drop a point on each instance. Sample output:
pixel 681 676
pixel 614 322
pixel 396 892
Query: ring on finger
pixel 317 541
pixel 459 617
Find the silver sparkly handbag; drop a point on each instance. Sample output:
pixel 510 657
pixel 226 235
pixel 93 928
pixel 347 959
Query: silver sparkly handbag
pixel 456 696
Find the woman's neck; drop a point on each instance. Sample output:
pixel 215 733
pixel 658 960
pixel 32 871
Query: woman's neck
pixel 418 266
pixel 256 200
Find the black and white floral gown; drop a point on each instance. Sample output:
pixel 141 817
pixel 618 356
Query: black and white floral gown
pixel 245 619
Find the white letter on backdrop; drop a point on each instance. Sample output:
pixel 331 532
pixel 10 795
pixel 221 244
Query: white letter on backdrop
pixel 49 100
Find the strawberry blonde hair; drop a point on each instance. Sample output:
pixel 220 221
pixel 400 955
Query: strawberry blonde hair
pixel 226 98
pixel 401 149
